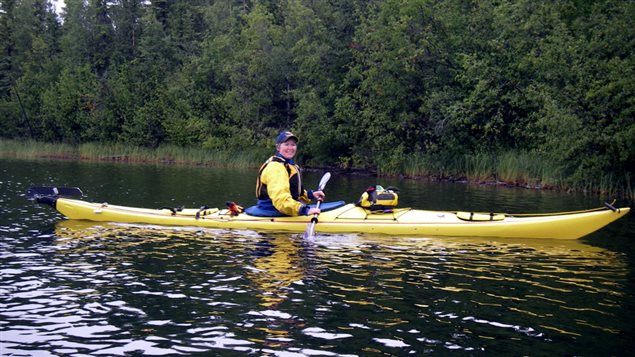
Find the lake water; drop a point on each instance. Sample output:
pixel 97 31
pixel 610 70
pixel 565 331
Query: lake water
pixel 72 288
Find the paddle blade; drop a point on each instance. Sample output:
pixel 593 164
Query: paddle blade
pixel 323 181
pixel 42 191
pixel 310 230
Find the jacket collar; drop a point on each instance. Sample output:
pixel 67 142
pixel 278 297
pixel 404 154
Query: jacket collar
pixel 288 161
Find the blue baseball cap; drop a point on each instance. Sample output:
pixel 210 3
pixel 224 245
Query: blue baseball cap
pixel 284 136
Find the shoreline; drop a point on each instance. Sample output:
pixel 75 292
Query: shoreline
pixel 199 157
pixel 126 159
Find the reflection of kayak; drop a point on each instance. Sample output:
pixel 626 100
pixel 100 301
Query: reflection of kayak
pixel 73 229
pixel 277 261
pixel 353 219
pixel 274 264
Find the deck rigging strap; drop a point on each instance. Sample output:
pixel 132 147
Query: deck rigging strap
pixel 172 209
pixel 607 206
pixel 201 211
pixel 391 216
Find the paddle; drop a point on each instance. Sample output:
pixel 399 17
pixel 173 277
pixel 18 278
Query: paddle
pixel 310 229
pixel 42 191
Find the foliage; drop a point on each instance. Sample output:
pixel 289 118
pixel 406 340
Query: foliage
pixel 371 85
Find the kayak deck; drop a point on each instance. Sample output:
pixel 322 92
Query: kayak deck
pixel 353 219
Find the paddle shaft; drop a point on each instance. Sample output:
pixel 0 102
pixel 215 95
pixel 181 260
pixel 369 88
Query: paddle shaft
pixel 310 229
pixel 315 215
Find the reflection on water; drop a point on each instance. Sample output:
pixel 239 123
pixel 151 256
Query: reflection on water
pixel 78 288
pixel 108 289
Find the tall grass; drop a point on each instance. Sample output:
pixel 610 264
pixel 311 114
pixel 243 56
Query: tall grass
pixel 32 149
pixel 127 153
pixel 608 185
pixel 512 168
pixel 525 169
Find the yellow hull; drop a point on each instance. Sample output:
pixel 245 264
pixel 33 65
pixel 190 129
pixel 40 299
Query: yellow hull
pixel 353 219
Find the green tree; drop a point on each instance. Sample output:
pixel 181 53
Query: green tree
pixel 75 39
pixel 70 108
pixel 126 18
pixel 101 41
pixel 310 76
pixel 7 46
pixel 365 83
pixel 257 98
pixel 399 58
pixel 29 66
pixel 600 94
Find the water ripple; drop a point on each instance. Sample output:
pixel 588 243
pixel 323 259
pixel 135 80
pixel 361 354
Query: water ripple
pixel 120 289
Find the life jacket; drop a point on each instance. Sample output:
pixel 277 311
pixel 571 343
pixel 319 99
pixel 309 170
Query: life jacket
pixel 376 198
pixel 295 179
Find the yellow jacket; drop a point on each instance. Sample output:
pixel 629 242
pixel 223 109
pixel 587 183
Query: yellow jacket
pixel 280 181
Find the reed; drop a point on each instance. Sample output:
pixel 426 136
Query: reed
pixel 480 167
pixel 168 154
pixel 511 167
pixel 608 186
pixel 31 149
pixel 526 169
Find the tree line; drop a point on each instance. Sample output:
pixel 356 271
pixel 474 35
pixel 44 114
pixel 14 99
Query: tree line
pixel 365 84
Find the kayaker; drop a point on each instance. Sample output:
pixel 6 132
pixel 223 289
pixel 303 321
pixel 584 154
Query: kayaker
pixel 279 185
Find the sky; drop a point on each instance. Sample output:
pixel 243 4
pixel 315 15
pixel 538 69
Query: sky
pixel 59 4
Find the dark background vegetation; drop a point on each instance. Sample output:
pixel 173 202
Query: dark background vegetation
pixel 364 83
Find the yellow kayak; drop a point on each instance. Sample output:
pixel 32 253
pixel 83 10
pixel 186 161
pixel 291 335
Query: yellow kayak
pixel 350 218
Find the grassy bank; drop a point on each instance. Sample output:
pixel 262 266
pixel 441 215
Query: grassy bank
pixel 511 168
pixel 131 154
pixel 514 169
pixel 519 169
